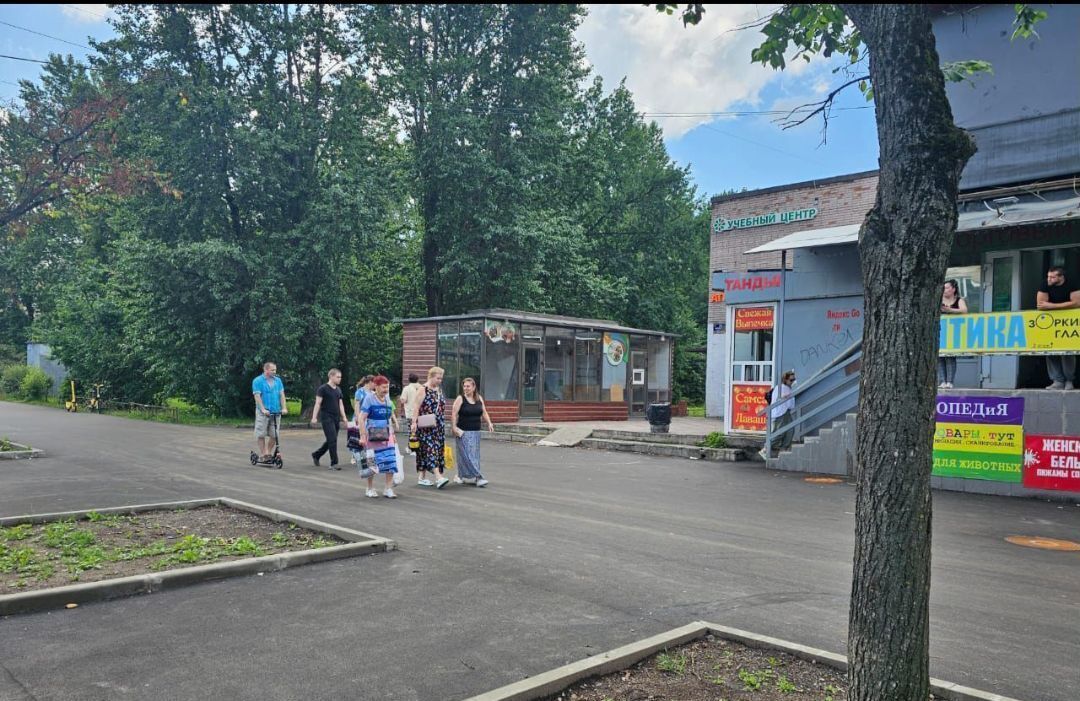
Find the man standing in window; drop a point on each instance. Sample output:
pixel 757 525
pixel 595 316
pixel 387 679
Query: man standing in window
pixel 1059 294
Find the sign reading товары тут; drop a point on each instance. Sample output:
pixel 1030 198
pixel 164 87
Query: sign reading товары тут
pixel 979 438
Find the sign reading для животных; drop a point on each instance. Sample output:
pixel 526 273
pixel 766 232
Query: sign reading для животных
pixel 979 438
pixel 724 224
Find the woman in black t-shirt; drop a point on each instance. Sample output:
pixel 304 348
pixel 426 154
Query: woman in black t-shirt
pixel 468 412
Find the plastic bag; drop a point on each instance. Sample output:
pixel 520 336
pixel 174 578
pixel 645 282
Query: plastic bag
pixel 399 476
pixel 448 457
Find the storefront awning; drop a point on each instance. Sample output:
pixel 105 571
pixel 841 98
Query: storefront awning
pixel 982 215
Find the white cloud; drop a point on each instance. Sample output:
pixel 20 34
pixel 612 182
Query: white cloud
pixel 670 68
pixel 89 14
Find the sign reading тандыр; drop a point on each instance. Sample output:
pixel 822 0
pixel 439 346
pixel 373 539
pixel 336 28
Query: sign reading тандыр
pixel 796 215
pixel 979 438
pixel 1030 332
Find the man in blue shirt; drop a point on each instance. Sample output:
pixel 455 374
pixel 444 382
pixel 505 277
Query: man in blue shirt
pixel 269 393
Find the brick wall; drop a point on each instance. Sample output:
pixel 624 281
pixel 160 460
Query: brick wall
pixel 839 201
pixel 502 412
pixel 586 411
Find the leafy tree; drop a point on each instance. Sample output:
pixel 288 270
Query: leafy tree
pixel 904 245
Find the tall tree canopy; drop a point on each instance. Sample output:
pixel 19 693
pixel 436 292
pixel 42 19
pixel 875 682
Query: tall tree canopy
pixel 297 176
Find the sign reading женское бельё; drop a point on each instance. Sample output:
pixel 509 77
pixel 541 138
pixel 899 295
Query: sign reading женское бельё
pixel 795 215
pixel 1030 332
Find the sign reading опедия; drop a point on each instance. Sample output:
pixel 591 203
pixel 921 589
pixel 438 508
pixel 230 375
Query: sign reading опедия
pixel 1029 332
pixel 724 224
pixel 979 438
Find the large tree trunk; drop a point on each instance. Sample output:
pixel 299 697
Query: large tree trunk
pixel 904 246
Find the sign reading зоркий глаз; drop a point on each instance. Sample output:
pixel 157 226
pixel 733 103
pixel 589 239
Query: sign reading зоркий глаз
pixel 796 215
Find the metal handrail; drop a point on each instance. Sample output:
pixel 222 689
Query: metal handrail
pixel 844 390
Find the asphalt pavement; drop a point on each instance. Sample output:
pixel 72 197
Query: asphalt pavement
pixel 567 553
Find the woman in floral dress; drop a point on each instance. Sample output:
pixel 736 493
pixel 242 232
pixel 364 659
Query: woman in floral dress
pixel 432 438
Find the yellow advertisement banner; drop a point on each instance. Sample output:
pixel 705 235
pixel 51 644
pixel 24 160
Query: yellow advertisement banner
pixel 1029 332
pixel 979 438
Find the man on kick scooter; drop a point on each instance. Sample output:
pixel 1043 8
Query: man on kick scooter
pixel 269 393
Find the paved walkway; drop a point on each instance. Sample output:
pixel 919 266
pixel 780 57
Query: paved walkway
pixel 567 553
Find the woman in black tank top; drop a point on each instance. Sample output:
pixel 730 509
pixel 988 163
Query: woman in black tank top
pixel 951 303
pixel 468 414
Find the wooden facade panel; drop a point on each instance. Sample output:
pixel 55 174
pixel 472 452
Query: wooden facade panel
pixel 502 412
pixel 419 349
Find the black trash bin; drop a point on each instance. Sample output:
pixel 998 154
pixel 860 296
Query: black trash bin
pixel 659 416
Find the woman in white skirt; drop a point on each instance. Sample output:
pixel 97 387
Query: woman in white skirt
pixel 469 414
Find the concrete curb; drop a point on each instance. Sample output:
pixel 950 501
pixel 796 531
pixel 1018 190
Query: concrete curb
pixel 25 452
pixel 620 658
pixel 549 683
pixel 58 597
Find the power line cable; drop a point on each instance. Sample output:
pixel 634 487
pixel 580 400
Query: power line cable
pixel 28 60
pixel 43 34
pixel 86 11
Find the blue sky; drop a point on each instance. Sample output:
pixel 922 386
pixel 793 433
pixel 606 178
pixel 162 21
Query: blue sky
pixel 698 71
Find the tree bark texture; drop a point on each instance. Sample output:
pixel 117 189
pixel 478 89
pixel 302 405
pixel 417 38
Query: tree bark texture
pixel 904 246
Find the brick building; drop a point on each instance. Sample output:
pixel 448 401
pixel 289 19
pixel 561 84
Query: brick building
pixel 745 220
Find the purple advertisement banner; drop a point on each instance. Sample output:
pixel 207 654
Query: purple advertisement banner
pixel 981 410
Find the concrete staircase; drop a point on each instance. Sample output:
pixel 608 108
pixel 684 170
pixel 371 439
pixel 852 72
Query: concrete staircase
pixel 831 451
pixel 663 444
pixel 517 433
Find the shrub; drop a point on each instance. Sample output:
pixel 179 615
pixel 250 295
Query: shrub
pixel 35 384
pixel 714 440
pixel 11 379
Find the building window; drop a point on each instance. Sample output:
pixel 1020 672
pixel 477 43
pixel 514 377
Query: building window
pixel 470 335
pixel 558 364
pixel 448 356
pixel 659 370
pixel 588 355
pixel 500 371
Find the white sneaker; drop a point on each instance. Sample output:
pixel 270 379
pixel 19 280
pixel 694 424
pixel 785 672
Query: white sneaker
pixel 389 493
pixel 372 494
pixel 1069 385
pixel 442 483
pixel 943 385
pixel 481 482
pixel 1057 385
pixel 425 483
pixel 948 385
pixel 457 480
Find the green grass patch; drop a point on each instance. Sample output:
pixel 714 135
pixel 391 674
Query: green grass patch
pixel 714 440
pixel 697 410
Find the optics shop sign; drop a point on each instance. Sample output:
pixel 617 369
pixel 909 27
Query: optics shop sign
pixel 721 223
pixel 979 438
pixel 1030 332
pixel 1052 462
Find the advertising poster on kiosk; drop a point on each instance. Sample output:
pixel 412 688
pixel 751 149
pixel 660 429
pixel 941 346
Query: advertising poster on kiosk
pixel 979 438
pixel 1052 462
pixel 745 402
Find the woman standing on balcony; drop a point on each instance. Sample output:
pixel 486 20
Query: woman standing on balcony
pixel 951 303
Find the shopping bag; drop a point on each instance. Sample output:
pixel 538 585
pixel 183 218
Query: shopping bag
pixel 448 457
pixel 399 476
